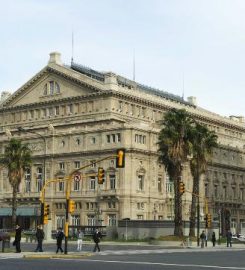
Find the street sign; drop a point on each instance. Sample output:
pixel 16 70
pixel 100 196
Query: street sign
pixel 77 177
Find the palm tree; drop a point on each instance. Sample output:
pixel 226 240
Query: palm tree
pixel 203 143
pixel 16 158
pixel 174 148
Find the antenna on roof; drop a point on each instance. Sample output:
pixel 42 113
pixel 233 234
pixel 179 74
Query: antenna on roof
pixel 72 46
pixel 134 65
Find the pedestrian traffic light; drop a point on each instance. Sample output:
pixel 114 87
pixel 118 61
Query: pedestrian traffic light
pixel 46 209
pixel 101 175
pixel 120 160
pixel 71 206
pixel 181 188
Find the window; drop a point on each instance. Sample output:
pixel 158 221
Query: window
pixel 91 220
pixel 61 186
pixel 51 111
pixel 76 185
pixel 93 164
pixel 233 192
pixel 60 221
pixel 57 110
pixel 141 182
pixel 28 180
pixel 51 88
pixel 112 178
pixel 62 166
pixel 113 138
pixel 70 108
pixel 39 179
pixel 63 143
pixel 224 192
pixel 140 217
pixel 77 164
pixel 31 114
pixel 159 184
pixel 108 138
pixel 241 194
pixel 93 140
pixel 215 191
pixel 75 220
pixel 112 220
pixel 140 139
pixel 206 189
pixel 111 205
pixel 92 182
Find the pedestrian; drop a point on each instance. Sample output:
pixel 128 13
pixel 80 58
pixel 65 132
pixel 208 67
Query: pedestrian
pixel 40 237
pixel 228 238
pixel 79 240
pixel 96 237
pixel 17 238
pixel 59 237
pixel 213 239
pixel 203 239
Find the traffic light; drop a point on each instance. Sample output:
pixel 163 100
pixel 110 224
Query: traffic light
pixel 208 220
pixel 46 209
pixel 181 188
pixel 120 160
pixel 101 175
pixel 71 206
pixel 45 220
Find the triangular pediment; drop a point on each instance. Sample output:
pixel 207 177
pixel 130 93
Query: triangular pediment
pixel 52 83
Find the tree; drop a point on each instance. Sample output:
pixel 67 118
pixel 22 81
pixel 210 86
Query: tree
pixel 174 148
pixel 203 142
pixel 16 158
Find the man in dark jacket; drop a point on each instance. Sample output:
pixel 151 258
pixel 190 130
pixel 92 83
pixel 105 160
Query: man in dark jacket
pixel 40 237
pixel 59 237
pixel 229 238
pixel 17 238
pixel 96 237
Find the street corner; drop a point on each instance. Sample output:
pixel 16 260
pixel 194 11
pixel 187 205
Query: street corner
pixel 49 255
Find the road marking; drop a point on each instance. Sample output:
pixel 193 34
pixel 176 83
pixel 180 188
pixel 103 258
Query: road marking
pixel 154 263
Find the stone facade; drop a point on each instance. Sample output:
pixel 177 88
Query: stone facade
pixel 74 116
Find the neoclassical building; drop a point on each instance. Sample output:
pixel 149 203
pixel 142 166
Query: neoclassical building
pixel 73 116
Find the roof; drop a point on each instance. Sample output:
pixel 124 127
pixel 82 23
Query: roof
pixel 100 76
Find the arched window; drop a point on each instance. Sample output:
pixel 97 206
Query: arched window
pixel 51 88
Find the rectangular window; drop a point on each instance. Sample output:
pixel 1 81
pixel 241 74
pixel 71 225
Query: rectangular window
pixel 62 166
pixel 206 190
pixel 118 137
pixel 28 180
pixel 39 179
pixel 112 220
pixel 112 181
pixel 108 138
pixel 92 182
pixel 91 220
pixel 77 164
pixel 140 217
pixel 76 185
pixel 75 220
pixel 61 186
pixel 70 108
pixel 60 221
pixel 216 191
pixel 57 110
pixel 159 184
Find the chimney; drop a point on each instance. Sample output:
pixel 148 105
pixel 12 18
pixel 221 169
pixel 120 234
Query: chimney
pixel 55 58
pixel 192 100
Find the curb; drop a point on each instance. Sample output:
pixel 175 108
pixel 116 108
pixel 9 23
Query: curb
pixel 56 256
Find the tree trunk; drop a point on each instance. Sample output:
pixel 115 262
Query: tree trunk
pixel 193 206
pixel 178 223
pixel 14 205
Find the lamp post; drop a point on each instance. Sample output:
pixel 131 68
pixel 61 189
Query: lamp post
pixel 44 156
pixel 198 216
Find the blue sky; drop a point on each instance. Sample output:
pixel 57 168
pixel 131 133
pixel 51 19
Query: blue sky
pixel 202 41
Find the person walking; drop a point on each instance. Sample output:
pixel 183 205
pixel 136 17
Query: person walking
pixel 59 237
pixel 203 239
pixel 40 237
pixel 79 240
pixel 228 238
pixel 213 239
pixel 17 238
pixel 96 237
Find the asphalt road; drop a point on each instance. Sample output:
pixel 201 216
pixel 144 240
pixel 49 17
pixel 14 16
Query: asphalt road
pixel 184 259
